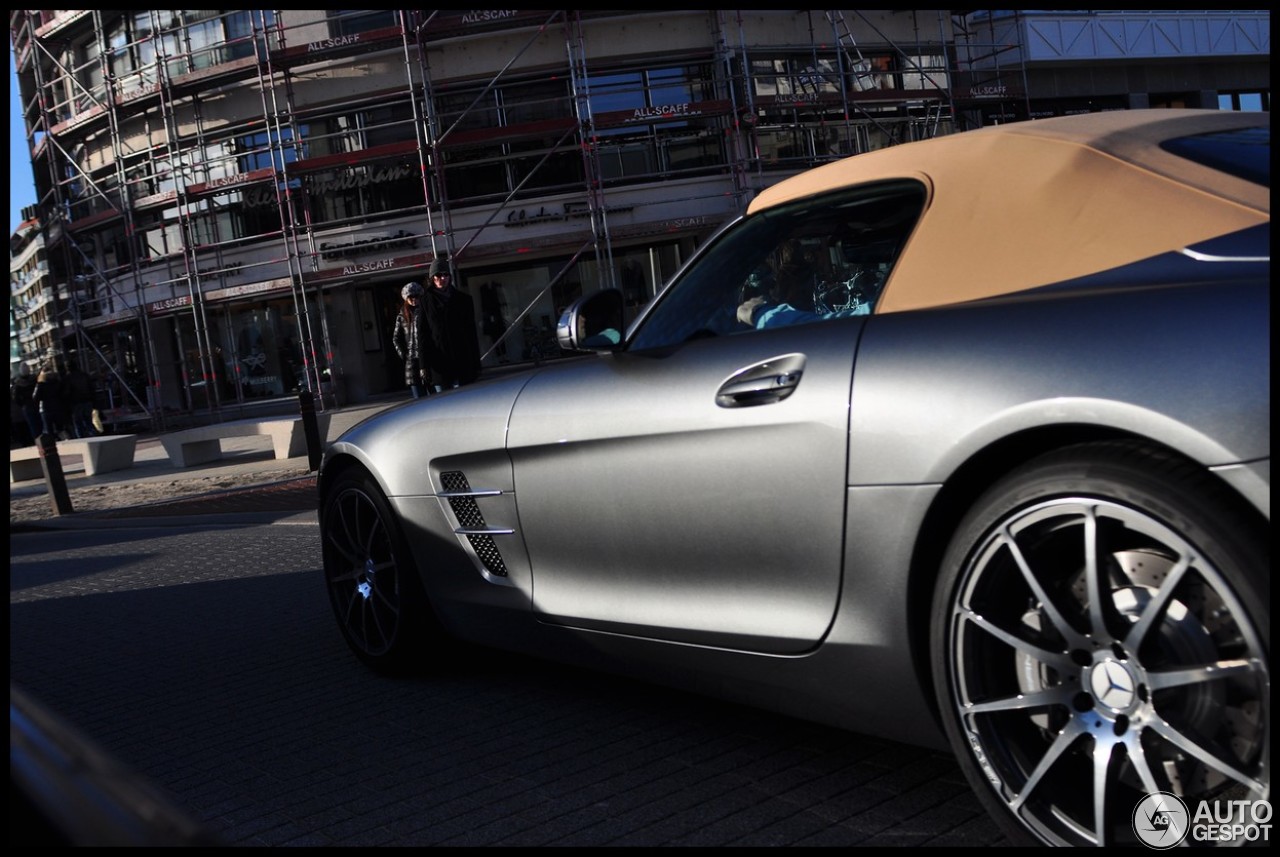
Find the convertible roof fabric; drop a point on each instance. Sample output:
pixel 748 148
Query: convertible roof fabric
pixel 1015 207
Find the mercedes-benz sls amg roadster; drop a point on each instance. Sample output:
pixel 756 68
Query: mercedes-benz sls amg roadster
pixel 964 442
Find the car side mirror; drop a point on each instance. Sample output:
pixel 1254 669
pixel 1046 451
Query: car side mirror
pixel 592 323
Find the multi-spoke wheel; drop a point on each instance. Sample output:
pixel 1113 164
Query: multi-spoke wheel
pixel 1100 633
pixel 372 584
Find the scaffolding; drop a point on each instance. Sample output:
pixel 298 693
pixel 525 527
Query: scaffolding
pixel 138 153
pixel 990 69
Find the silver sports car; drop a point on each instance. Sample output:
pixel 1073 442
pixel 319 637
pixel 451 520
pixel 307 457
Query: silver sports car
pixel 963 442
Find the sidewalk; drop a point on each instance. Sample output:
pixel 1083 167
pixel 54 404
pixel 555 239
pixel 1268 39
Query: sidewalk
pixel 243 458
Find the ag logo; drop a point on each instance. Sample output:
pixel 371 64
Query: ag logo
pixel 1161 820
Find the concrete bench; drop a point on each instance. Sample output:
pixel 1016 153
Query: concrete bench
pixel 101 455
pixel 204 443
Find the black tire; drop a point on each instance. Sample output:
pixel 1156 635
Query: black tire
pixel 369 573
pixel 1065 709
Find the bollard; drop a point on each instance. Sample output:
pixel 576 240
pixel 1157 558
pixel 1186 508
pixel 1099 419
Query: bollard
pixel 51 463
pixel 307 407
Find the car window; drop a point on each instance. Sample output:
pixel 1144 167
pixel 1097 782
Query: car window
pixel 822 258
pixel 1244 152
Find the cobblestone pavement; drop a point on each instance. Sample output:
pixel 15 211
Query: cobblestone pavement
pixel 191 637
pixel 206 659
pixel 293 495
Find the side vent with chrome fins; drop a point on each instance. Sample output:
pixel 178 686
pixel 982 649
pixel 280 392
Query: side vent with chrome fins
pixel 462 500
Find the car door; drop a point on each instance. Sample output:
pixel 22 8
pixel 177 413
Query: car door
pixel 656 501
pixel 689 484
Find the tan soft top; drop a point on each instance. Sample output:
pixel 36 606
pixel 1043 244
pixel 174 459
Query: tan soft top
pixel 1013 207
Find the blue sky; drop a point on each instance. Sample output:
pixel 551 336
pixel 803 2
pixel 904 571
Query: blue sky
pixel 22 189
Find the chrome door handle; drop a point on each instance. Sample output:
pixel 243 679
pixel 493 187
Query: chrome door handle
pixel 770 381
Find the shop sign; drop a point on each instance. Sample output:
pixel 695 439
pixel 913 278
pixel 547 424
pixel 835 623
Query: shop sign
pixel 350 182
pixel 248 289
pixel 571 211
pixel 265 196
pixel 401 240
pixel 169 303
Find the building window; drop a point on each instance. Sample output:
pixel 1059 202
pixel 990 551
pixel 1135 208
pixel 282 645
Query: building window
pixel 1248 101
pixel 161 234
pixel 618 91
pixel 467 111
pixel 621 157
pixel 795 77
pixel 348 22
pixel 89 73
pixel 648 124
pixel 269 149
pixel 476 172
pixel 240 35
pixel 536 101
pixel 360 129
pixel 692 153
pixel 925 71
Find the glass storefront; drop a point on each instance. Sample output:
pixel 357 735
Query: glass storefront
pixel 517 311
pixel 116 363
pixel 244 352
pixel 233 354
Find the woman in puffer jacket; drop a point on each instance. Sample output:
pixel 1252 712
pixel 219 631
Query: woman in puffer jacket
pixel 409 339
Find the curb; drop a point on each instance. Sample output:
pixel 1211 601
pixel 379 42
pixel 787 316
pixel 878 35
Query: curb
pixel 289 500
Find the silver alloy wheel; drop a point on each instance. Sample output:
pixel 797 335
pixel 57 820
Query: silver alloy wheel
pixel 1095 656
pixel 360 572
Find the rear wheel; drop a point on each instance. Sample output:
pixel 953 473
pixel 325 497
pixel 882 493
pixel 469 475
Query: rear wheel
pixel 369 573
pixel 1101 630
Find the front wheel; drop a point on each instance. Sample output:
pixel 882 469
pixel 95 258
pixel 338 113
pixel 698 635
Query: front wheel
pixel 1101 629
pixel 372 583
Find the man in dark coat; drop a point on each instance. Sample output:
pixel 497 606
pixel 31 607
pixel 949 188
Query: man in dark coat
pixel 80 393
pixel 451 347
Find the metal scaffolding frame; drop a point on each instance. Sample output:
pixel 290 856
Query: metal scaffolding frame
pixel 987 64
pixel 172 87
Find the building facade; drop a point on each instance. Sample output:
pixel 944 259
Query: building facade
pixel 33 328
pixel 232 200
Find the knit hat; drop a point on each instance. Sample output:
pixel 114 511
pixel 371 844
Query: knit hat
pixel 411 289
pixel 440 265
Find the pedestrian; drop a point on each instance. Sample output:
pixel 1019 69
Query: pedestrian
pixel 408 337
pixel 452 346
pixel 80 394
pixel 24 417
pixel 50 396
